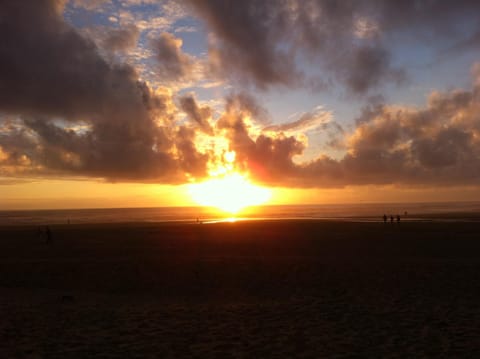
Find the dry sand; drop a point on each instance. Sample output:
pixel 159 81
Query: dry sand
pixel 241 290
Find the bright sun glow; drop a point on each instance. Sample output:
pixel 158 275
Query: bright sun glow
pixel 230 193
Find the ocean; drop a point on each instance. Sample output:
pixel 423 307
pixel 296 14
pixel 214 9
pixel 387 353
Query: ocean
pixel 464 211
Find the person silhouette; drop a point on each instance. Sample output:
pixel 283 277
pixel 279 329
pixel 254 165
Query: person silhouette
pixel 48 234
pixel 384 218
pixel 39 232
pixel 398 218
pixel 391 218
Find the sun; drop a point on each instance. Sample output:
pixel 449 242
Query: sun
pixel 230 193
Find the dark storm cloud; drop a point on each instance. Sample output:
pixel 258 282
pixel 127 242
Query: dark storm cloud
pixel 173 64
pixel 435 145
pixel 260 41
pixel 54 79
pixel 199 115
pixel 246 41
pixel 47 67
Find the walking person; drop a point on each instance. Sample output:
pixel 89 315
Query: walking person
pixel 48 234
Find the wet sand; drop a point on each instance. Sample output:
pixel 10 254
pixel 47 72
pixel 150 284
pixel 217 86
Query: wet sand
pixel 279 289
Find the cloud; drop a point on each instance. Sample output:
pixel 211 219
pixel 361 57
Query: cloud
pixel 245 42
pixel 13 181
pixel 367 67
pixel 138 2
pixel 476 73
pixel 111 41
pixel 41 52
pixel 264 156
pixel 185 29
pixel 246 105
pixel 435 145
pixel 16 148
pixel 89 4
pixel 52 77
pixel 199 115
pixel 152 17
pixel 172 64
pixel 65 110
pixel 190 159
pixel 121 39
pixel 262 42
pixel 307 121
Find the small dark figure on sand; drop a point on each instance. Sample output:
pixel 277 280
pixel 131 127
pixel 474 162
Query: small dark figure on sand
pixel 398 218
pixel 48 234
pixel 67 298
pixel 384 218
pixel 391 219
pixel 39 233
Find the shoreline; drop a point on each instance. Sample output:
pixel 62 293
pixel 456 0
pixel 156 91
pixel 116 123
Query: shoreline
pixel 468 211
pixel 421 218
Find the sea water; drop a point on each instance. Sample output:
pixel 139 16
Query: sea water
pixel 464 211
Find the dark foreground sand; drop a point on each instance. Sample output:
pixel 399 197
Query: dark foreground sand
pixel 241 290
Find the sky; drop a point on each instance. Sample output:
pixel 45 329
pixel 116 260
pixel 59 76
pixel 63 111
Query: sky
pixel 126 103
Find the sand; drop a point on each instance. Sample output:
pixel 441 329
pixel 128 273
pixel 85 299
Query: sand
pixel 275 289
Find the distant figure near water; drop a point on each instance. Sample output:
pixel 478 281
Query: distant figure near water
pixel 48 234
pixel 391 218
pixel 39 232
pixel 398 218
pixel 67 298
pixel 384 218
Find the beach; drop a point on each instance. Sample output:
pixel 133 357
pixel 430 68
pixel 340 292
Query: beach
pixel 290 288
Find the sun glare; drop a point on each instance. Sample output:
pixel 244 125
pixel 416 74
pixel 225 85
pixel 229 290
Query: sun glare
pixel 230 193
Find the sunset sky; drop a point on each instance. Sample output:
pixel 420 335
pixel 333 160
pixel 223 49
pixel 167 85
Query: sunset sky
pixel 128 103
